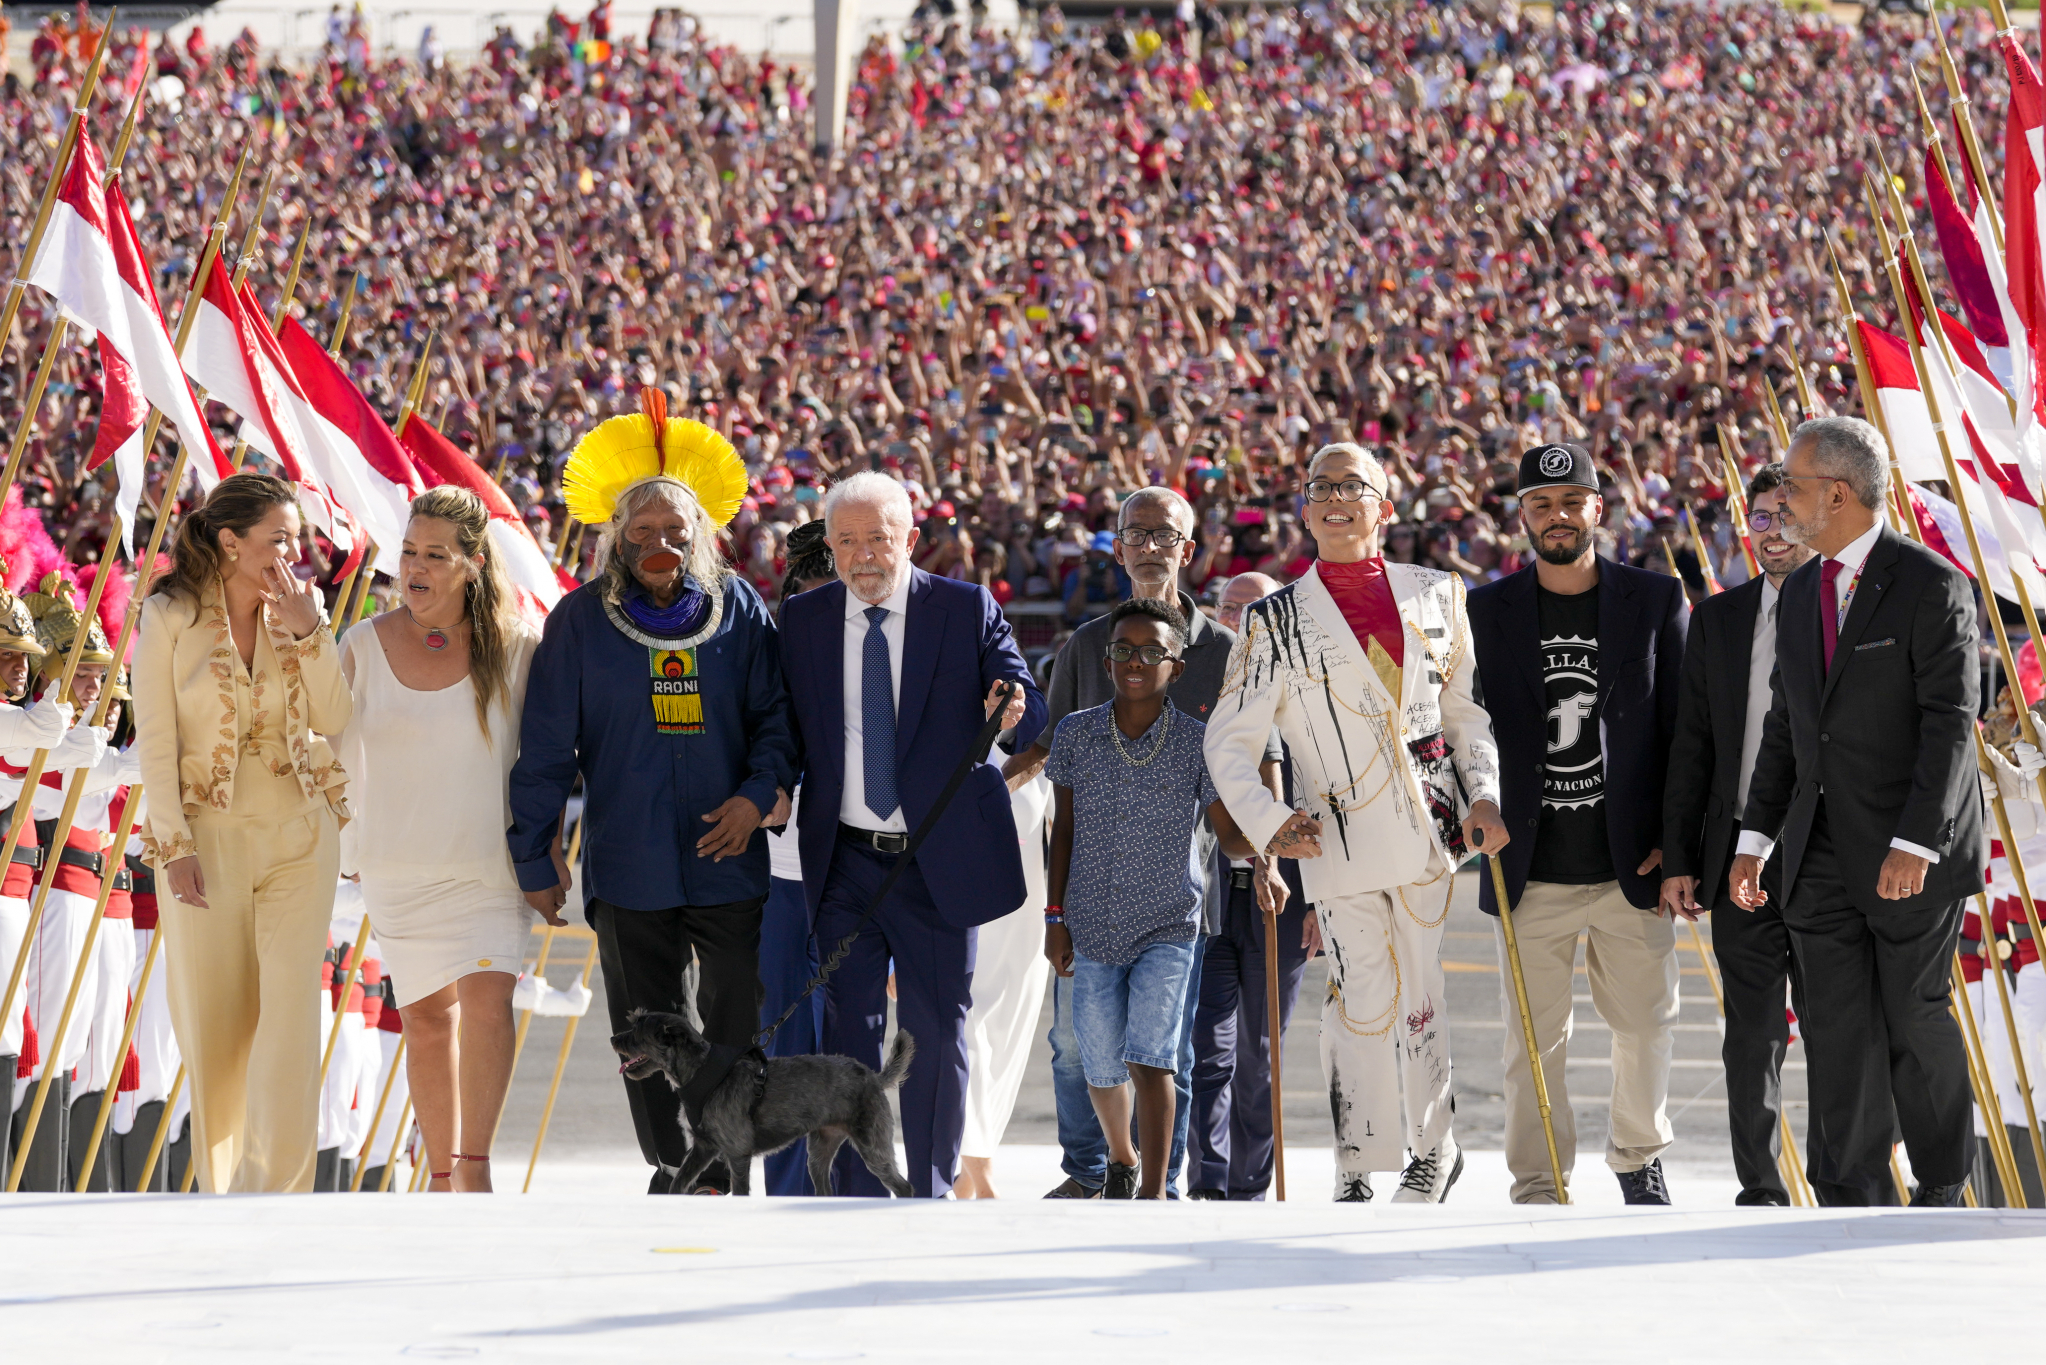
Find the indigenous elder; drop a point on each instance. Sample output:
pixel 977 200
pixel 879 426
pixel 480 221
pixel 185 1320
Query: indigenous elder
pixel 1581 664
pixel 236 674
pixel 1365 667
pixel 439 685
pixel 1153 543
pixel 660 685
pixel 892 672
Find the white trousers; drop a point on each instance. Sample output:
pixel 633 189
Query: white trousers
pixel 374 1144
pixel 156 1048
pixel 1385 1026
pixel 1009 972
pixel 114 971
pixel 52 960
pixel 13 923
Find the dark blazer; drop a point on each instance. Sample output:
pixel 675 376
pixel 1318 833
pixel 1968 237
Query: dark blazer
pixel 1885 735
pixel 589 710
pixel 956 644
pixel 1701 801
pixel 1641 622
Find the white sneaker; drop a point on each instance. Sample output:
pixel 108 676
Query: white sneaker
pixel 1427 1179
pixel 1353 1189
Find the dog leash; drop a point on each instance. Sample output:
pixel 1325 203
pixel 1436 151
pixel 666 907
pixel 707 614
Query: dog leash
pixel 981 743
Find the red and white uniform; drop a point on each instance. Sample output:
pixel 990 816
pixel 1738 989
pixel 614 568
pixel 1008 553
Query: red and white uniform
pixel 2028 988
pixel 156 1047
pixel 67 914
pixel 23 729
pixel 114 954
pixel 388 1028
pixel 349 1097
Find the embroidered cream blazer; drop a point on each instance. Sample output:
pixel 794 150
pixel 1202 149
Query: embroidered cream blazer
pixel 1385 774
pixel 194 728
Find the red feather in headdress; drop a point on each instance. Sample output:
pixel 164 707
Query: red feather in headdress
pixel 27 547
pixel 113 603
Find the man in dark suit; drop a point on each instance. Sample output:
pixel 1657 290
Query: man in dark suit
pixel 1865 775
pixel 891 672
pixel 1578 664
pixel 1727 665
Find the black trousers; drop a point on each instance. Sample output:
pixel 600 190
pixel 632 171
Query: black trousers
pixel 644 954
pixel 1878 1032
pixel 1229 1145
pixel 1756 966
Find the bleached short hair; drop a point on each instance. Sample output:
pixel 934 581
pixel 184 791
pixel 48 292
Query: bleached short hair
pixel 869 489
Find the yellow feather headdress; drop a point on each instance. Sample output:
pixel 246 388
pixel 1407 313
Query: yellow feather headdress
pixel 624 452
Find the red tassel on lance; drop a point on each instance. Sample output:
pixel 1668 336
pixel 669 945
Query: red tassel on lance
pixel 131 1072
pixel 31 1049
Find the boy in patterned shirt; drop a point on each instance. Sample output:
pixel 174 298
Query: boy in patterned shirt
pixel 1131 785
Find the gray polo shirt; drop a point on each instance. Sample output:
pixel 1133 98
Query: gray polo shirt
pixel 1080 681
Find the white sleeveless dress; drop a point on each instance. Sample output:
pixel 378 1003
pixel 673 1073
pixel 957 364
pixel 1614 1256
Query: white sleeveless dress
pixel 429 796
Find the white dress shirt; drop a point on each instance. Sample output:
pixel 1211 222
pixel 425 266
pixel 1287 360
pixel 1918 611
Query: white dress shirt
pixel 852 806
pixel 1851 558
pixel 1761 664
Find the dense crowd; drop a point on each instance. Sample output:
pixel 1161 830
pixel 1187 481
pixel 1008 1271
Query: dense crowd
pixel 1049 267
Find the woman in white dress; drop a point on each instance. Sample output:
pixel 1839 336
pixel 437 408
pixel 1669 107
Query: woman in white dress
pixel 439 684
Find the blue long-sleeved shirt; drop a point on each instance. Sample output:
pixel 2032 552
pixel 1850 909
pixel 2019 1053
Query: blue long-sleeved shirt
pixel 590 709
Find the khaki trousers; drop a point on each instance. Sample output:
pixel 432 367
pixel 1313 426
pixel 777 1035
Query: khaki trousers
pixel 1384 1026
pixel 244 979
pixel 1630 958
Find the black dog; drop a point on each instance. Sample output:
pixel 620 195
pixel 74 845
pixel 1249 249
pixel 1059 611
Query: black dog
pixel 761 1106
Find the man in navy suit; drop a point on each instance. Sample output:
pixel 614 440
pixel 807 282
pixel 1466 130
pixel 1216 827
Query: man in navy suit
pixel 892 673
pixel 1579 664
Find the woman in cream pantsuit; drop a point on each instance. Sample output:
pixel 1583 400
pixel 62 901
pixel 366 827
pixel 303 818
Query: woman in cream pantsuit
pixel 236 678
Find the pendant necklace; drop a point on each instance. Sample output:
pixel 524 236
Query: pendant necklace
pixel 436 638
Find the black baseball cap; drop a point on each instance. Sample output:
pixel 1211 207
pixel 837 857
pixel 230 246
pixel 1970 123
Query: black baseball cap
pixel 1561 463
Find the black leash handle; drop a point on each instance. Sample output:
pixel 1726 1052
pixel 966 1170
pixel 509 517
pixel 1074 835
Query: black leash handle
pixel 988 730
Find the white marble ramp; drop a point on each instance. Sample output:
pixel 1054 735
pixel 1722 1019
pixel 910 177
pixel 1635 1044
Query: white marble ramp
pixel 580 1272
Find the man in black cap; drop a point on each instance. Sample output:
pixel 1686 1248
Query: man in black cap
pixel 1579 664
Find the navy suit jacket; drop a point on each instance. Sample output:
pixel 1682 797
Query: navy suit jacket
pixel 1642 618
pixel 956 645
pixel 589 710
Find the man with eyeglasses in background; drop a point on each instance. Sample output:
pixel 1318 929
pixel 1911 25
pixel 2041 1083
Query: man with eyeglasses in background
pixel 1722 701
pixel 1153 542
pixel 1366 669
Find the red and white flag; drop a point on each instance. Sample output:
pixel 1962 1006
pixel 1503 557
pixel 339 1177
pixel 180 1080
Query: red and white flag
pixel 2008 547
pixel 371 470
pixel 91 263
pixel 2024 213
pixel 440 461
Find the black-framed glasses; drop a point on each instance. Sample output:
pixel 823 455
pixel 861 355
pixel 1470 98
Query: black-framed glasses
pixel 1152 655
pixel 1349 490
pixel 1763 521
pixel 1165 538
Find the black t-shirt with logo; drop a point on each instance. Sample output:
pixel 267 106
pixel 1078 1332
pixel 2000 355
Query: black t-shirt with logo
pixel 1571 844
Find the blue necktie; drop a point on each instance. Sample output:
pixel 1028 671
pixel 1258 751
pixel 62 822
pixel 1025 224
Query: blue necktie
pixel 877 716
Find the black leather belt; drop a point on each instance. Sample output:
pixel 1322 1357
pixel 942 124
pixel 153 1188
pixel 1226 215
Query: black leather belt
pixel 141 877
pixel 123 879
pixel 95 863
pixel 881 841
pixel 1971 947
pixel 28 857
pixel 2019 928
pixel 1241 878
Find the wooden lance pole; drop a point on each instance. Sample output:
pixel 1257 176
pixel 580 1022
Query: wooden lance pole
pixel 163 1123
pixel 73 129
pixel 376 1119
pixel 1995 952
pixel 113 1085
pixel 1985 1089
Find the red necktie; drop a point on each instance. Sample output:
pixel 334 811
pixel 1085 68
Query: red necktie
pixel 1829 607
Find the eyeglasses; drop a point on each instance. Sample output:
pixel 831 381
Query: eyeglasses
pixel 1762 521
pixel 1350 490
pixel 1152 655
pixel 1164 537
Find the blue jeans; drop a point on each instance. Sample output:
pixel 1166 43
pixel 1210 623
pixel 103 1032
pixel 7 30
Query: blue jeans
pixel 1085 1150
pixel 1133 1014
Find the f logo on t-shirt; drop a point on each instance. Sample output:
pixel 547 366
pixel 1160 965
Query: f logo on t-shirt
pixel 1573 773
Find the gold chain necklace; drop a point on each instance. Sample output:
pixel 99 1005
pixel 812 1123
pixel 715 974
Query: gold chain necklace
pixel 1115 732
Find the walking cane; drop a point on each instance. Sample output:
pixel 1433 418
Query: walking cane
pixel 1272 1050
pixel 1527 1033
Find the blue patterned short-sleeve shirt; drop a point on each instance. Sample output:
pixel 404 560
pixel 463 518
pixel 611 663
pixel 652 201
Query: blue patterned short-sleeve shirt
pixel 1136 875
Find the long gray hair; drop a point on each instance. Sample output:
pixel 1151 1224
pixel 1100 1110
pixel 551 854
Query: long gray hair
pixel 706 561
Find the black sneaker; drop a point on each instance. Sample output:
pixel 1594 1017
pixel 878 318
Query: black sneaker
pixel 1122 1182
pixel 1069 1188
pixel 1206 1194
pixel 1644 1186
pixel 1761 1197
